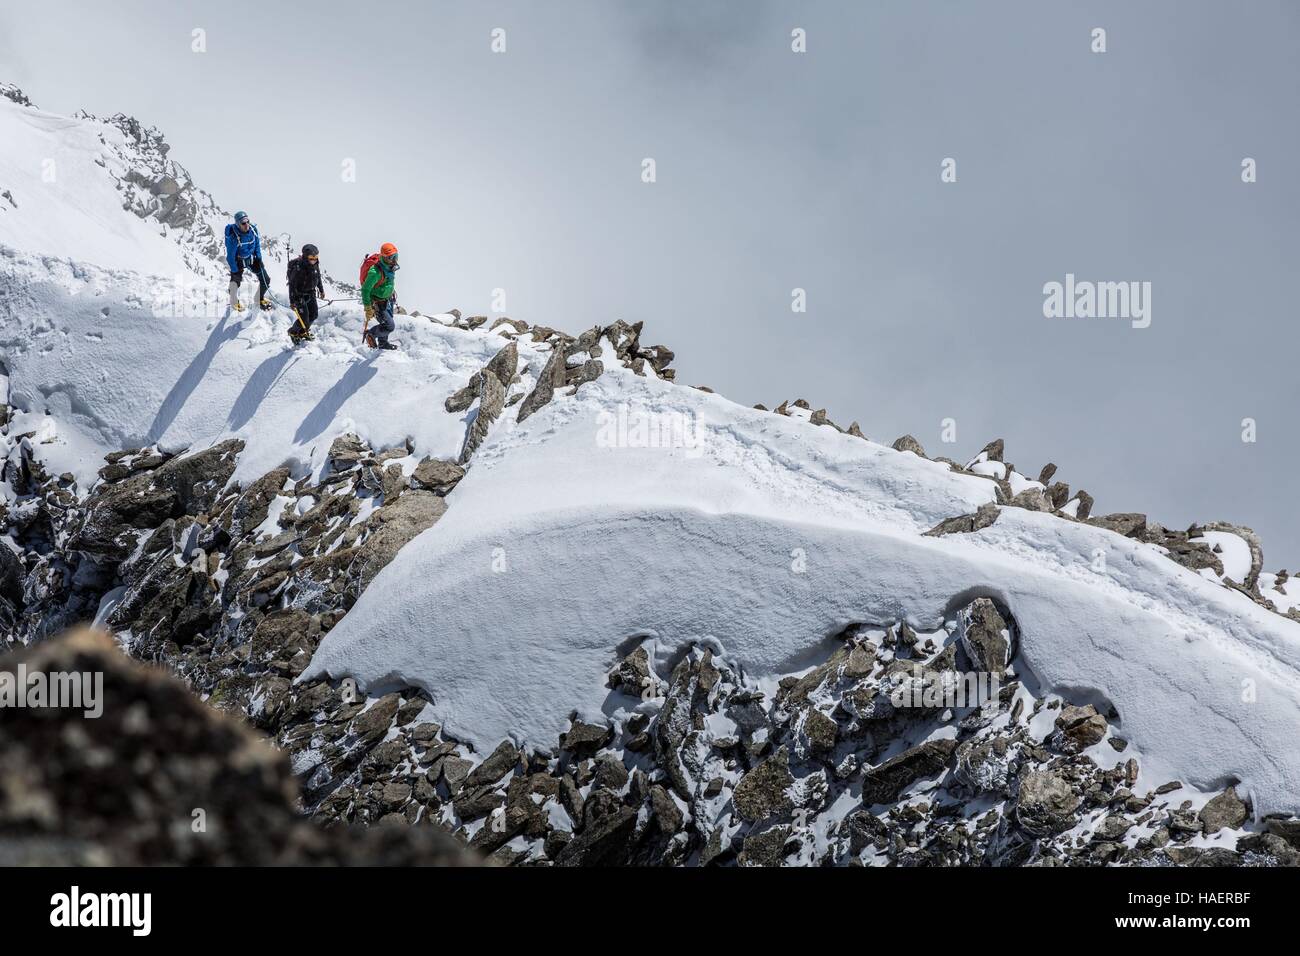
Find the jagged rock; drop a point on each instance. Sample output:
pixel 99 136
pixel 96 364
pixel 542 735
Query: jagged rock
pixel 908 443
pixel 250 509
pixel 764 791
pixel 984 516
pixel 1085 505
pixel 284 634
pixel 1113 827
pixel 346 451
pixel 437 475
pixel 498 763
pixel 883 784
pixel 454 770
pixel 993 451
pixel 395 525
pixel 180 486
pixel 504 365
pixel 667 815
pixel 988 765
pixel 764 848
pixel 1032 499
pixel 1046 803
pixel 491 401
pixel 584 739
pixel 632 674
pixel 1045 476
pixel 610 773
pixel 588 371
pixel 1128 524
pixel 1226 810
pixel 986 637
pixel 75 787
pixel 519 325
pixel 1269 848
pixel 551 378
pixel 606 842
pixel 1059 493
pixel 12 574
pixel 372 724
pixel 463 398
pixel 1078 728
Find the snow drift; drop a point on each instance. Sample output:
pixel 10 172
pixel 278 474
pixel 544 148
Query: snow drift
pixel 771 536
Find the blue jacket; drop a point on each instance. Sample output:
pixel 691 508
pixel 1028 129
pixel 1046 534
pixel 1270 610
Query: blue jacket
pixel 242 246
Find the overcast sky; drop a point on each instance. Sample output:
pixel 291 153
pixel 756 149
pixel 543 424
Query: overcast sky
pixel 778 170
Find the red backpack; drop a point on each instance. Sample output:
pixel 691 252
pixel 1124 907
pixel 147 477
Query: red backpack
pixel 366 265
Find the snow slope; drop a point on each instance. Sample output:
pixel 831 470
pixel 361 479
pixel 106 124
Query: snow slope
pixel 64 200
pixel 604 543
pixel 111 338
pixel 759 533
pixel 86 348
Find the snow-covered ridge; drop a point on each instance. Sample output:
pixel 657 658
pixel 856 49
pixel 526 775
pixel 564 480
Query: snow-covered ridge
pixel 573 533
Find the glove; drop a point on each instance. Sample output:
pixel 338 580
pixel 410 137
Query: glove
pixel 370 312
pixel 320 295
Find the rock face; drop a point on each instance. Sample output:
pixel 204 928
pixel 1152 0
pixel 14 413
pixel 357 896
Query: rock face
pixel 1078 728
pixel 884 783
pixel 161 777
pixel 764 790
pixel 151 495
pixel 986 636
pixel 1225 810
pixel 966 524
pixel 490 386
pixel 551 377
pixel 1046 803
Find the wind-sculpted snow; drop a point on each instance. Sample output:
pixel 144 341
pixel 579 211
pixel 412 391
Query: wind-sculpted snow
pixel 770 536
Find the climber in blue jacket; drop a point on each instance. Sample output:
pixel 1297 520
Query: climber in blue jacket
pixel 244 247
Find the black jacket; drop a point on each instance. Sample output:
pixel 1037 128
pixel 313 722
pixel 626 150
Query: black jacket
pixel 304 279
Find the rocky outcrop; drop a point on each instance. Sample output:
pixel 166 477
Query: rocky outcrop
pixel 986 636
pixel 160 777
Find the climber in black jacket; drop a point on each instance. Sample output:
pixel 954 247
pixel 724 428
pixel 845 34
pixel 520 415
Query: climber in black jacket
pixel 304 287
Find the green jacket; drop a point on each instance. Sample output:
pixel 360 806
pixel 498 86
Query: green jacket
pixel 379 283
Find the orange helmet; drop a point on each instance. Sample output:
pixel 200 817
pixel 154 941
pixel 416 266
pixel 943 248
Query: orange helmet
pixel 388 249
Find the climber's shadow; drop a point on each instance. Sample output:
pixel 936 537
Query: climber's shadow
pixel 259 385
pixel 319 418
pixel 222 333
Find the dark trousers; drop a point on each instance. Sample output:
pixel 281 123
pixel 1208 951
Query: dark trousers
pixel 263 280
pixel 382 325
pixel 305 311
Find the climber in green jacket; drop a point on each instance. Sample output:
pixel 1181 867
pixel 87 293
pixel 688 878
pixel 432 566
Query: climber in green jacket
pixel 377 295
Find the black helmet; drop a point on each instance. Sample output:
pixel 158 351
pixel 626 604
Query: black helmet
pixel 310 250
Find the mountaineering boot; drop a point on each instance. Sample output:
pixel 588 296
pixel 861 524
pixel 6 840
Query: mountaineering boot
pixel 387 345
pixel 370 340
pixel 234 296
pixel 266 305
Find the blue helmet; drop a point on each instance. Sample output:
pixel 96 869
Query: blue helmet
pixel 241 216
